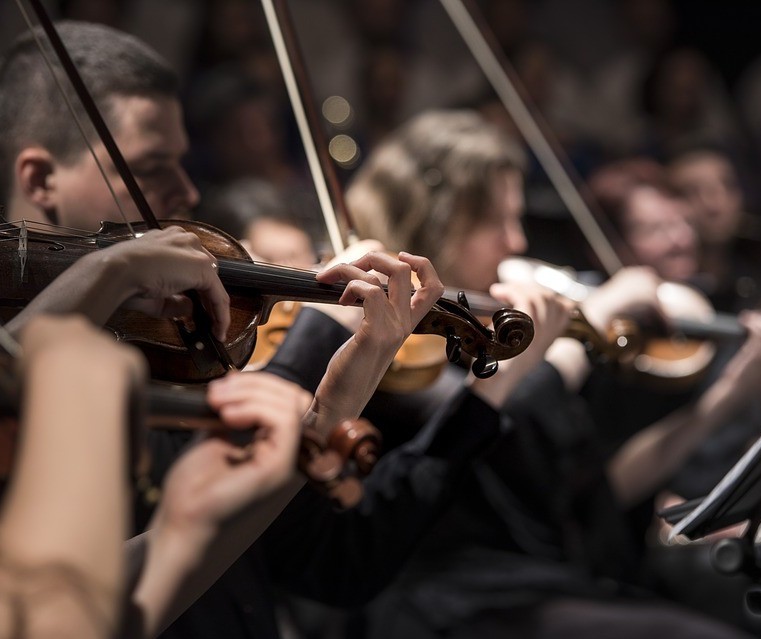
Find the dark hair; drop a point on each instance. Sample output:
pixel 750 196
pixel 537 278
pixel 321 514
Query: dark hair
pixel 234 206
pixel 32 110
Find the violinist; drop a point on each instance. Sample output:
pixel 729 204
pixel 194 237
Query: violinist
pixel 310 548
pixel 65 515
pixel 77 392
pixel 727 233
pixel 48 177
pixel 664 216
pixel 535 543
pixel 264 220
pixel 656 222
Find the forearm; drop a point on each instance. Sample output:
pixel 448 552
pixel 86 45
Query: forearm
pixel 565 355
pixel 308 348
pixel 67 502
pixel 321 356
pixel 653 455
pixel 177 566
pixel 571 361
pixel 351 379
pixel 95 286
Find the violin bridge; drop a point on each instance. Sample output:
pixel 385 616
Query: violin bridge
pixel 22 249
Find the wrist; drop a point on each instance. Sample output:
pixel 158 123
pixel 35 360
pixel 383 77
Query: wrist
pixel 179 545
pixel 118 276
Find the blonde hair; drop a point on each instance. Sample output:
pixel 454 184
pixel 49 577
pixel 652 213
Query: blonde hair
pixel 431 180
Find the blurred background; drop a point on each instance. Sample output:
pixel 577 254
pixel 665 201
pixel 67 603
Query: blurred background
pixel 612 78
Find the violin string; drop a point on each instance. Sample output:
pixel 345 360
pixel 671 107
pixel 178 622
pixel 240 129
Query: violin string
pixel 287 275
pixel 9 232
pixel 14 232
pixel 48 226
pixel 68 240
pixel 77 120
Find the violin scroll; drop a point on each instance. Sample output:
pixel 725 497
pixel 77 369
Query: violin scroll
pixel 334 464
pixel 464 333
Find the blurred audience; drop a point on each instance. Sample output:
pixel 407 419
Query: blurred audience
pixel 729 237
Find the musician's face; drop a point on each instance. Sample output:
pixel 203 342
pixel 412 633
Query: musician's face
pixel 270 240
pixel 711 185
pixel 150 134
pixel 658 233
pixel 498 236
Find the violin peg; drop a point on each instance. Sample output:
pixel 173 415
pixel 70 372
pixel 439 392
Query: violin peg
pixel 485 366
pixel 454 348
pixel 462 299
pixel 324 467
pixel 347 493
pixel 358 441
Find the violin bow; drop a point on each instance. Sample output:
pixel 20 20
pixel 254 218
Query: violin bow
pixel 505 82
pixel 199 341
pixel 324 175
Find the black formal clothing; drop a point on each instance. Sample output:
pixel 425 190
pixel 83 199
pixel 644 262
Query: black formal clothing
pixel 533 544
pixel 341 558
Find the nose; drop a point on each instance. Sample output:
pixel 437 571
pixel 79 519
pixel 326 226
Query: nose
pixel 514 238
pixel 184 196
pixel 681 235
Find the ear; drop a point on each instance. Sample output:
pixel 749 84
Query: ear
pixel 34 172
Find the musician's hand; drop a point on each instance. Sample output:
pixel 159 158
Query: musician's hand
pixel 632 290
pixel 349 316
pixel 387 317
pixel 216 479
pixel 160 265
pixel 550 314
pixel 549 311
pixel 357 368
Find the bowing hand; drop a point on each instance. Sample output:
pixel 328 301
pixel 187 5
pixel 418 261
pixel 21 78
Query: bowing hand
pixel 216 479
pixel 161 264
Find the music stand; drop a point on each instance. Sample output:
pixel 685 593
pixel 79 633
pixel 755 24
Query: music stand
pixel 736 498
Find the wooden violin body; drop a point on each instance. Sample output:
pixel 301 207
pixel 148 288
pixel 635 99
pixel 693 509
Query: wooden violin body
pixel 30 260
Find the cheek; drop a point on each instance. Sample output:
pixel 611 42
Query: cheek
pixel 645 250
pixel 85 203
pixel 479 256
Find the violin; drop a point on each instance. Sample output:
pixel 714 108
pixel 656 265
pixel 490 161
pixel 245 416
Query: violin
pixel 197 356
pixel 678 358
pixel 676 352
pixel 511 330
pixel 30 259
pixel 333 465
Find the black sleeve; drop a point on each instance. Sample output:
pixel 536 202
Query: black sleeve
pixel 305 353
pixel 345 558
pixel 542 399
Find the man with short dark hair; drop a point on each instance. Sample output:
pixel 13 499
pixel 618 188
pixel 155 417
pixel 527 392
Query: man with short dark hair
pixel 46 171
pixel 50 178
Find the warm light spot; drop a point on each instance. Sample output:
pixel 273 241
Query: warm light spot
pixel 344 150
pixel 336 110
